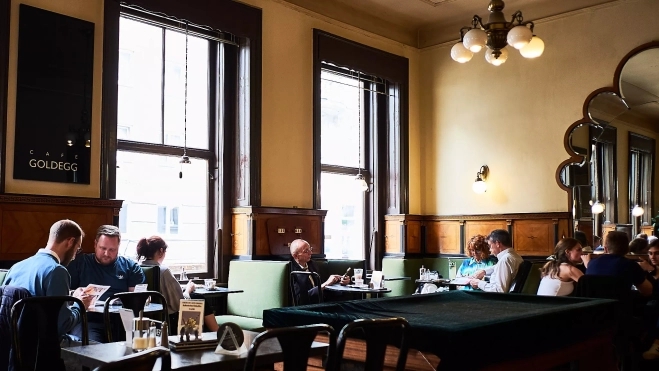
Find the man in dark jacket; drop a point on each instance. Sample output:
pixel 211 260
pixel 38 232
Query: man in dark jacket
pixel 306 289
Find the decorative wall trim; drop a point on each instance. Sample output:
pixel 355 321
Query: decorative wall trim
pixel 522 216
pixel 58 200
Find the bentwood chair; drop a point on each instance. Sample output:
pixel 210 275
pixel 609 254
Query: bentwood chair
pixel 295 344
pixel 135 301
pixel 303 296
pixel 378 333
pixel 143 361
pixel 35 338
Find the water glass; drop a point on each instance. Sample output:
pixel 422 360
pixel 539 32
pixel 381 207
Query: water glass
pixel 359 274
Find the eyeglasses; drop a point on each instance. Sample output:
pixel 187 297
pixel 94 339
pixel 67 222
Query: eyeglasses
pixel 307 251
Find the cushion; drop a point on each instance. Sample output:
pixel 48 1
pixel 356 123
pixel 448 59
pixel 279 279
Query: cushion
pixel 264 285
pixel 245 323
pixel 436 264
pixel 533 280
pixel 400 267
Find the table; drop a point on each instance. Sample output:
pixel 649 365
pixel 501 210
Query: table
pixel 92 356
pixel 364 291
pixel 449 324
pixel 153 307
pixel 218 291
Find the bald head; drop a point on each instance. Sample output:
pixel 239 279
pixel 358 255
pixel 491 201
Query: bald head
pixel 301 252
pixel 297 245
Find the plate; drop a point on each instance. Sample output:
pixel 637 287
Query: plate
pixel 358 287
pixel 428 288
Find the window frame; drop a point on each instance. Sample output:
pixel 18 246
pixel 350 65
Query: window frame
pixel 639 179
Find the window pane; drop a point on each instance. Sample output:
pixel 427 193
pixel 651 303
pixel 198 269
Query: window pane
pixel 162 204
pixel 344 223
pixel 175 90
pixel 340 120
pixel 139 115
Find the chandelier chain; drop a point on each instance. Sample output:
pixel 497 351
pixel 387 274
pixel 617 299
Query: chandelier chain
pixel 185 105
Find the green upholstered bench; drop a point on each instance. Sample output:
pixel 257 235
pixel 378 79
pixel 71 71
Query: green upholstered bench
pixel 401 267
pixel 264 285
pixel 533 280
pixel 3 273
pixel 326 267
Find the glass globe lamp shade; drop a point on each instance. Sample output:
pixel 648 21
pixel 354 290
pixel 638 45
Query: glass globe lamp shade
pixel 461 54
pixel 489 57
pixel 597 208
pixel 637 211
pixel 475 40
pixel 533 49
pixel 479 186
pixel 519 36
pixel 361 183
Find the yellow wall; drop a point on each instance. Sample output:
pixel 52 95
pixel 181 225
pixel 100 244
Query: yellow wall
pixel 513 117
pixel 88 10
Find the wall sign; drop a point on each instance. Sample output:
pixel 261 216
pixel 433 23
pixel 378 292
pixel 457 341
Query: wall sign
pixel 53 97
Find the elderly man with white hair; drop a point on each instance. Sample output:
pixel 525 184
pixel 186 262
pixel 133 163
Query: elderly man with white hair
pixel 306 289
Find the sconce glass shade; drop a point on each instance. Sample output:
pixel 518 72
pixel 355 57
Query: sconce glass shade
pixel 533 49
pixel 597 208
pixel 479 186
pixel 637 211
pixel 361 183
pixel 475 40
pixel 184 160
pixel 461 54
pixel 519 36
pixel 489 57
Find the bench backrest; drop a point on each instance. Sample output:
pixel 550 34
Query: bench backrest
pixel 265 286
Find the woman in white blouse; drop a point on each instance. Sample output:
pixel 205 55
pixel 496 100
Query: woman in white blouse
pixel 560 274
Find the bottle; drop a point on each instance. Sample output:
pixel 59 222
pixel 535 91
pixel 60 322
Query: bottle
pixel 422 273
pixel 184 276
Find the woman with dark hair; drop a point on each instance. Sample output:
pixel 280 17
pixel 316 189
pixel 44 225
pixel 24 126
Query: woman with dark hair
pixel 560 274
pixel 478 252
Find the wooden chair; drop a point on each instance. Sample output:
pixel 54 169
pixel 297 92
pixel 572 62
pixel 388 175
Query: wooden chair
pixel 136 302
pixel 295 344
pixel 378 333
pixel 142 361
pixel 35 338
pixel 296 300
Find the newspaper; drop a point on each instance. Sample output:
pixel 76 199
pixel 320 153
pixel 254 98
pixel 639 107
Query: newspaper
pixel 96 291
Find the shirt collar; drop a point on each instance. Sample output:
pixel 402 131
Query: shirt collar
pixel 51 252
pixel 503 252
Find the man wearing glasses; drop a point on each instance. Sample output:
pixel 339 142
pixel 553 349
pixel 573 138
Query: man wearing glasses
pixel 44 274
pixel 306 289
pixel 505 270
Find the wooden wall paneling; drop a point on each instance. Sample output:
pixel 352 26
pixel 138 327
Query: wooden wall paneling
pixel 482 227
pixel 443 237
pixel 585 226
pixel 534 237
pixel 564 230
pixel 392 243
pixel 606 228
pixel 413 234
pixel 240 234
pixel 647 229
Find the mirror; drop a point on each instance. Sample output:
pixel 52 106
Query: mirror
pixel 613 147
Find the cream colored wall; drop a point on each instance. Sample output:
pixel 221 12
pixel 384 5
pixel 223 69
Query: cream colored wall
pixel 88 10
pixel 513 117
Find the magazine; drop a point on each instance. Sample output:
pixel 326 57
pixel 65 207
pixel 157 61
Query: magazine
pixel 190 319
pixel 96 291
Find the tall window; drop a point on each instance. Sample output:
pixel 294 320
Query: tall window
pixel 641 152
pixel 150 131
pixel 605 182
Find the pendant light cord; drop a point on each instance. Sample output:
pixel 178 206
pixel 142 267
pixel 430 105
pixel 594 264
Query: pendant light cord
pixel 185 106
pixel 359 121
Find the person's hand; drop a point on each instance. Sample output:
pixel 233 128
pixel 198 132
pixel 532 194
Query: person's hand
pixel 585 259
pixel 190 287
pixel 474 282
pixel 86 299
pixel 646 266
pixel 479 274
pixel 345 280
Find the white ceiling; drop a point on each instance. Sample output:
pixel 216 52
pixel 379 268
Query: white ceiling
pixel 423 23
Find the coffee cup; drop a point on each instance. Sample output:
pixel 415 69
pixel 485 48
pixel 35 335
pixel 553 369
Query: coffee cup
pixel 209 284
pixel 359 274
pixel 357 281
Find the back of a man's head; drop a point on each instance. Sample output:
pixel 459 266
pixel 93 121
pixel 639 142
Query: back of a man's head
pixel 581 237
pixel 617 243
pixel 109 231
pixel 502 236
pixel 63 230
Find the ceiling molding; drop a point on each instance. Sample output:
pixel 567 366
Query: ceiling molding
pixel 437 2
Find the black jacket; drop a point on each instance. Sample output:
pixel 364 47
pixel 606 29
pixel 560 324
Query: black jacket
pixel 8 296
pixel 305 292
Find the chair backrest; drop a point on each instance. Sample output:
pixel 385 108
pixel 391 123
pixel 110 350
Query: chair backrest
pixel 520 278
pixel 295 344
pixel 533 279
pixel 378 333
pixel 135 301
pixel 606 287
pixel 152 275
pixel 9 295
pixel 303 296
pixel 142 361
pixel 35 337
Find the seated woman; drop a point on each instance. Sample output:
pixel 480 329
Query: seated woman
pixel 153 251
pixel 560 274
pixel 478 252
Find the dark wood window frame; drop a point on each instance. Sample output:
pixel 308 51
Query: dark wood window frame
pixel 388 161
pixel 647 146
pixel 607 135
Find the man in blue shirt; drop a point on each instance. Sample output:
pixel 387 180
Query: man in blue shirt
pixel 44 274
pixel 105 267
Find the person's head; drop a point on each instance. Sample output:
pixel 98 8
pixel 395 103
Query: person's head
pixel 152 248
pixel 106 245
pixel 65 239
pixel 301 251
pixel 499 240
pixel 638 246
pixel 567 250
pixel 597 241
pixel 581 237
pixel 642 235
pixel 617 243
pixel 653 254
pixel 478 248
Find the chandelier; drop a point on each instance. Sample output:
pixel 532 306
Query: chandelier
pixel 496 34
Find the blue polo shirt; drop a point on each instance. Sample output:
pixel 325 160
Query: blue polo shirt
pixel 618 266
pixel 120 275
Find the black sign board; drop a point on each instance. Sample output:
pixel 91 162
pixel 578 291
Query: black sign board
pixel 53 97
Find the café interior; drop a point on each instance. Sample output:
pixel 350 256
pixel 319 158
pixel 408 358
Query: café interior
pixel 363 127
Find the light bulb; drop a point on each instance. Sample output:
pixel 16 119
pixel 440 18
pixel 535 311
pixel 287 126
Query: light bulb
pixel 637 211
pixel 533 49
pixel 461 54
pixel 361 183
pixel 475 40
pixel 489 57
pixel 519 36
pixel 597 208
pixel 479 186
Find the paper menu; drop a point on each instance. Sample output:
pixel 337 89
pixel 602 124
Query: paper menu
pixel 190 318
pixel 96 291
pixel 141 287
pixel 461 281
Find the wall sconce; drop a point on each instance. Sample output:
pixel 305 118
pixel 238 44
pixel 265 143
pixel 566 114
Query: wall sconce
pixel 597 207
pixel 479 185
pixel 637 211
pixel 361 182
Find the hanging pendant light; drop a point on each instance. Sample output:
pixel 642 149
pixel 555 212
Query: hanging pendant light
pixel 185 160
pixel 359 178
